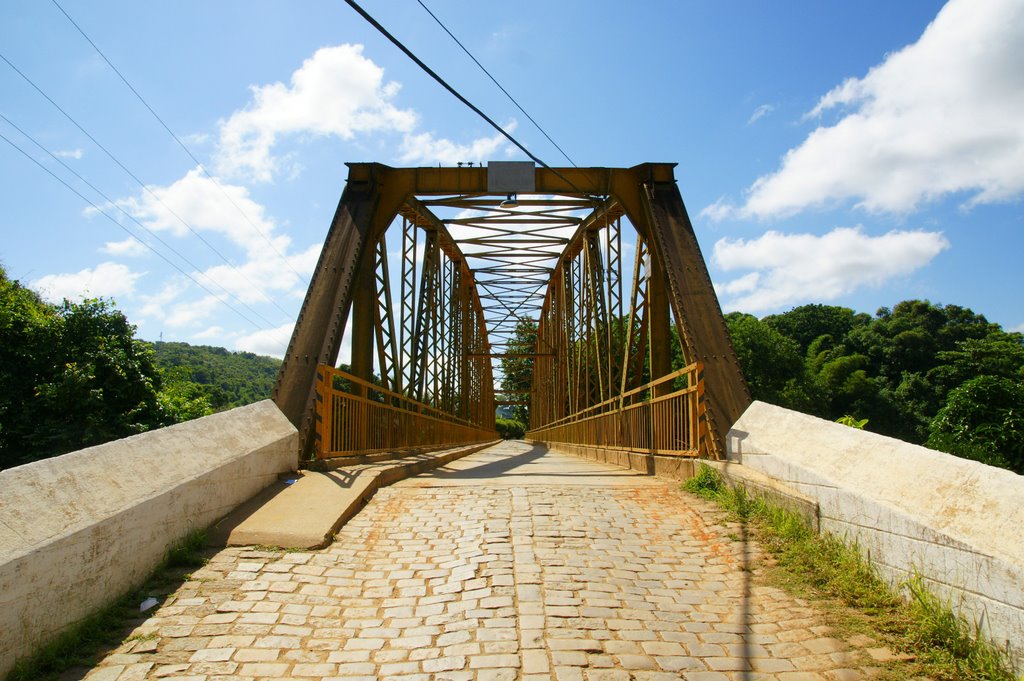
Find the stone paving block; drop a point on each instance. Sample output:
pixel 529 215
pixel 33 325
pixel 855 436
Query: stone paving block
pixel 705 676
pixel 461 578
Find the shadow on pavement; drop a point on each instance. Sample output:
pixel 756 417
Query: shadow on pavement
pixel 494 469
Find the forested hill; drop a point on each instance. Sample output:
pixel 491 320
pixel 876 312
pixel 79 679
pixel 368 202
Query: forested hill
pixel 233 379
pixel 74 375
pixel 941 376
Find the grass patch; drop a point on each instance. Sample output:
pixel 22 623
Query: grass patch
pixel 84 643
pixel 943 645
pixel 272 548
pixel 188 551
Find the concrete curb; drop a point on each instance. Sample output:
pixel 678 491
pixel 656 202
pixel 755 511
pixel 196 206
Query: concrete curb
pixel 759 485
pixel 683 468
pixel 306 511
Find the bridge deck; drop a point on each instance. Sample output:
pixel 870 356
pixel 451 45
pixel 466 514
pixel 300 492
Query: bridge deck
pixel 513 563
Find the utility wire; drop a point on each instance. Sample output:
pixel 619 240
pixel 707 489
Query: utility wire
pixel 178 140
pixel 142 184
pixel 130 233
pixel 494 80
pixel 132 218
pixel 430 72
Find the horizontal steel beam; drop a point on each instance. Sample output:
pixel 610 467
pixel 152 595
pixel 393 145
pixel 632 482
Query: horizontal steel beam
pixel 564 181
pixel 512 354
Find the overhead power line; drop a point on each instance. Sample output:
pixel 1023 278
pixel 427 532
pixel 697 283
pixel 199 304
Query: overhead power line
pixel 131 217
pixel 129 232
pixel 138 181
pixel 181 144
pixel 430 72
pixel 495 81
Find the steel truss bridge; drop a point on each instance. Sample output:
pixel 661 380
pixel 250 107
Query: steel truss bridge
pixel 429 274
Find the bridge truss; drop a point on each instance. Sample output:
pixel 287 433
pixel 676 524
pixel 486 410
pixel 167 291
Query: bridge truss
pixel 429 273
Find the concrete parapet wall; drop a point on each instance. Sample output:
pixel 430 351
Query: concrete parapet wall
pixel 956 522
pixel 79 530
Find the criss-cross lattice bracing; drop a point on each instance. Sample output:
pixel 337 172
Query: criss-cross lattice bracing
pixel 430 274
pixel 429 382
pixel 608 377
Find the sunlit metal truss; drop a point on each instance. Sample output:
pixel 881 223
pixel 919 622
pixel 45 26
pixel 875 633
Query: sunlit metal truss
pixel 470 266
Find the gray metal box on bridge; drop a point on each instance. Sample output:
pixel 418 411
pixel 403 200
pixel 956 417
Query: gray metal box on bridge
pixel 511 177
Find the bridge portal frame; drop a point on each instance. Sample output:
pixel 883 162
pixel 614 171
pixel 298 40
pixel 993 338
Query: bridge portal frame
pixel 375 194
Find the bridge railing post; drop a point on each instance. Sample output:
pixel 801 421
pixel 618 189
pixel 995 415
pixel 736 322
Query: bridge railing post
pixel 324 412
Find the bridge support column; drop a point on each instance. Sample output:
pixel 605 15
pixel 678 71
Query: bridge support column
pixel 363 213
pixel 659 331
pixel 363 323
pixel 661 218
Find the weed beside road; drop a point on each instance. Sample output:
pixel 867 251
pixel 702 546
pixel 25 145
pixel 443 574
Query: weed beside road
pixel 933 641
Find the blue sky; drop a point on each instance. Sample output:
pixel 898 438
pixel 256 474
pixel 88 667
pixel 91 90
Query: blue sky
pixel 856 154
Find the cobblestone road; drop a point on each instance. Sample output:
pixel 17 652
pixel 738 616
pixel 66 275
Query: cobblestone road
pixel 510 564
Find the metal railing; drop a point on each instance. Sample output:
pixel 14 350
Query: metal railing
pixel 365 418
pixel 638 420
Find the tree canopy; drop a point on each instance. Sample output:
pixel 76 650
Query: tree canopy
pixel 930 374
pixel 517 371
pixel 228 379
pixel 73 375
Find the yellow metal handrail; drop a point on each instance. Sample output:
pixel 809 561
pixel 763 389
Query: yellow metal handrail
pixel 350 423
pixel 667 424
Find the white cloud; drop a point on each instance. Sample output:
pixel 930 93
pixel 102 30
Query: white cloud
pixel 272 342
pixel 744 284
pixel 210 332
pixel 69 153
pixel 425 149
pixel 760 112
pixel 336 92
pixel 719 210
pixel 197 138
pixel 108 279
pixel 201 204
pixel 126 248
pixel 1019 328
pixel 191 312
pixel 789 268
pixel 154 305
pixel 938 117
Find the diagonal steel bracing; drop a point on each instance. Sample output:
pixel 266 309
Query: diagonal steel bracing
pixel 471 263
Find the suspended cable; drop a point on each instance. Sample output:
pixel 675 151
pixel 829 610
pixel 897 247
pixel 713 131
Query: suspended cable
pixel 142 184
pixel 430 72
pixel 130 233
pixel 181 144
pixel 131 217
pixel 494 80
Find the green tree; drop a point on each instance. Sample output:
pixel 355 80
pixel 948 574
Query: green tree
pixel 509 429
pixel 517 371
pixel 911 335
pixel 983 419
pixel 899 370
pixel 806 323
pixel 772 363
pixel 997 354
pixel 232 379
pixel 72 376
pixel 102 383
pixel 183 398
pixel 25 322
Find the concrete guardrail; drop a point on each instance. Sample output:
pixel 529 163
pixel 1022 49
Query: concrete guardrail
pixel 77 531
pixel 954 521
